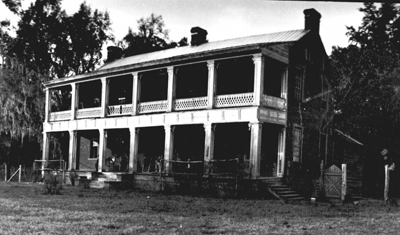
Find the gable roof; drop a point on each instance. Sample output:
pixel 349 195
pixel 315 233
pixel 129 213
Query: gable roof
pixel 279 37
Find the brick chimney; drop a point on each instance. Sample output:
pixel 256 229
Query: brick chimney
pixel 113 53
pixel 199 36
pixel 312 18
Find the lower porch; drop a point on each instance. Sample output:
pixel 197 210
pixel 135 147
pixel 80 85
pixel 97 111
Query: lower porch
pixel 242 149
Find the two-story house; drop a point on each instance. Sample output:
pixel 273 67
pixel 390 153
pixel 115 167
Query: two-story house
pixel 256 103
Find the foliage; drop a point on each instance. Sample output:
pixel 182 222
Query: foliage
pixel 49 44
pixel 366 77
pixel 60 45
pixel 151 36
pixel 13 5
pixel 52 183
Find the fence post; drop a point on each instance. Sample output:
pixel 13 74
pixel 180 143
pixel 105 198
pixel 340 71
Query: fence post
pixel 387 179
pixel 344 181
pixel 321 183
pixel 5 172
pixel 19 174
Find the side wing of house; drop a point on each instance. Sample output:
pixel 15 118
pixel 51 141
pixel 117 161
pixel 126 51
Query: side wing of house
pixel 309 106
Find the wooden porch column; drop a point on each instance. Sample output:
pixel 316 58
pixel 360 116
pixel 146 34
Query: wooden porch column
pixel 209 129
pixel 281 152
pixel 169 147
pixel 133 149
pixel 47 106
pixel 255 148
pixel 74 99
pixel 46 146
pixel 104 96
pixel 72 150
pixel 258 60
pixel 135 93
pixel 102 148
pixel 171 89
pixel 284 83
pixel 212 83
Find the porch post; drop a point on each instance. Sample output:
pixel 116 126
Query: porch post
pixel 255 148
pixel 104 96
pixel 135 93
pixel 47 107
pixel 258 60
pixel 72 150
pixel 281 152
pixel 74 99
pixel 171 89
pixel 133 149
pixel 102 148
pixel 212 83
pixel 46 146
pixel 209 129
pixel 169 147
pixel 284 83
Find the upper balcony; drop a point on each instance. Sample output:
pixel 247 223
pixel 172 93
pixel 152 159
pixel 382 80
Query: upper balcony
pixel 235 82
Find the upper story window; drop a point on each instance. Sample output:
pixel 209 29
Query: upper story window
pixel 298 90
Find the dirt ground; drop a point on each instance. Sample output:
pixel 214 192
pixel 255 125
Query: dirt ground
pixel 24 209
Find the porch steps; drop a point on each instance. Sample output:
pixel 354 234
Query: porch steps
pixel 104 179
pixel 281 191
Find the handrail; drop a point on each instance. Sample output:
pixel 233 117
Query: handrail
pixel 88 112
pixel 232 100
pixel 153 106
pixel 60 115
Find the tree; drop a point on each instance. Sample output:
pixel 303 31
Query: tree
pixel 13 5
pixel 366 77
pixel 49 45
pixel 60 45
pixel 151 36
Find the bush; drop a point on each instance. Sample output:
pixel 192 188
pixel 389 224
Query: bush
pixel 52 183
pixel 72 176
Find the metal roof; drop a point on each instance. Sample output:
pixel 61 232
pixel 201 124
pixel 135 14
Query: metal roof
pixel 279 37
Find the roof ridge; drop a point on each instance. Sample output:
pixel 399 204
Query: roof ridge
pixel 255 35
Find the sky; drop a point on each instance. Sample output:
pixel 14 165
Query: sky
pixel 223 19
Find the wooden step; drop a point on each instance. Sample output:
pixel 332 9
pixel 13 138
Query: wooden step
pixel 96 184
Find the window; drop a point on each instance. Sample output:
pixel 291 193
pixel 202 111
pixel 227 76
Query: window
pixel 299 85
pixel 297 143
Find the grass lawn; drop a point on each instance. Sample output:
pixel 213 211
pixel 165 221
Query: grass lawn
pixel 24 209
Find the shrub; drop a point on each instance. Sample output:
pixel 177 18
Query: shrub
pixel 52 183
pixel 72 176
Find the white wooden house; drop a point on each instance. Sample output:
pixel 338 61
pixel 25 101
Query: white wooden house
pixel 238 99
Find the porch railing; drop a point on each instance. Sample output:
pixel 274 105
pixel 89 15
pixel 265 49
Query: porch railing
pixel 60 116
pixel 244 99
pixel 191 103
pixel 88 113
pixel 153 107
pixel 221 101
pixel 273 102
pixel 116 110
